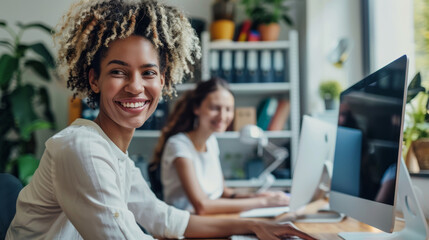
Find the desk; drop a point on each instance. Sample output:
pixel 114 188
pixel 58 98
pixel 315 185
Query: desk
pixel 326 231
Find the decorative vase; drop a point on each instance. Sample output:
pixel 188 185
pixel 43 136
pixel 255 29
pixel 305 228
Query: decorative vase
pixel 269 32
pixel 222 30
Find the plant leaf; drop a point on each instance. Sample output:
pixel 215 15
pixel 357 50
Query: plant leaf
pixel 40 49
pixel 37 124
pixel 3 23
pixel 45 100
pixel 7 44
pixel 40 26
pixel 27 165
pixel 22 108
pixel 287 20
pixel 8 66
pixel 20 51
pixel 39 68
pixel 415 87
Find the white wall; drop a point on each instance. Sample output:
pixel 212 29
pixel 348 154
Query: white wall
pixel 327 22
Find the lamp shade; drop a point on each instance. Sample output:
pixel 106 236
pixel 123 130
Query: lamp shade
pixel 253 135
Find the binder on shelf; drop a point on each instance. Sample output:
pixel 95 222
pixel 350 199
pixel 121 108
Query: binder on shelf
pixel 239 66
pixel 244 116
pixel 279 66
pixel 252 66
pixel 158 119
pixel 281 116
pixel 266 67
pixel 214 63
pixel 265 112
pixel 226 63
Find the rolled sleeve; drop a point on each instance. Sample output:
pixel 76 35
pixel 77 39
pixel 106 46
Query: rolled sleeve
pixel 153 214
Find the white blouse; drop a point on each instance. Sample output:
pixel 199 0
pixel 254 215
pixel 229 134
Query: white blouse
pixel 206 164
pixel 86 187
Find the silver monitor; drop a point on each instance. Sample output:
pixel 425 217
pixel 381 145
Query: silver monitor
pixel 367 159
pixel 313 168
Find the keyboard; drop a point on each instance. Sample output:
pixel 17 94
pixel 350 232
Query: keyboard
pixel 250 237
pixel 253 237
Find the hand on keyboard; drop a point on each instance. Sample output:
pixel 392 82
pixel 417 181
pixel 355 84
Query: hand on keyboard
pixel 250 237
pixel 275 231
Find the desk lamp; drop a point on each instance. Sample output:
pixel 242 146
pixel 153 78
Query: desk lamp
pixel 254 135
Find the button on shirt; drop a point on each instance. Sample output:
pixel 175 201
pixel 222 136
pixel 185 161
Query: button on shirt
pixel 86 187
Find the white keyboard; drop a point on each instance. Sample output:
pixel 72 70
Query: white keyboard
pixel 250 237
pixel 253 237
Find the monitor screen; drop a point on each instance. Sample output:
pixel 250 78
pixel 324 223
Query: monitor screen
pixel 368 146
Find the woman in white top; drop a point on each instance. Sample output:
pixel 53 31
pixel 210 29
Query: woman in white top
pixel 121 54
pixel 188 151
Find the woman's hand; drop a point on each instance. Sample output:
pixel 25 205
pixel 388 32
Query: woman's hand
pixel 273 199
pixel 274 231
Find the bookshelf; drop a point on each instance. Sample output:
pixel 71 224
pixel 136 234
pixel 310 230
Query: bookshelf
pixel 234 152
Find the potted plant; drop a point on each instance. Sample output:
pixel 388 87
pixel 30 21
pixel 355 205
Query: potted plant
pixel 329 91
pixel 266 15
pixel 22 99
pixel 222 27
pixel 416 126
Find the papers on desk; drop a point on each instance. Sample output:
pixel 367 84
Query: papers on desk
pixel 265 212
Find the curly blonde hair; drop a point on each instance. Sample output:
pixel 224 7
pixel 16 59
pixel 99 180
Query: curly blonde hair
pixel 84 34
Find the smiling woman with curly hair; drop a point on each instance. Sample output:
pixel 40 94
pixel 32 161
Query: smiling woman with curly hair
pixel 122 55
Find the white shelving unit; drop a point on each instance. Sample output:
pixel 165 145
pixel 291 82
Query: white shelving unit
pixel 246 94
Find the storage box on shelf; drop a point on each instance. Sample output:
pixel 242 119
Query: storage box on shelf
pixel 247 94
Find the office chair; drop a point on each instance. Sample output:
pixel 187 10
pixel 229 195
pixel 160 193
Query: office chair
pixel 154 172
pixel 10 187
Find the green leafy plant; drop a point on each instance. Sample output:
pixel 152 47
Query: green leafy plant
pixel 267 11
pixel 24 104
pixel 329 89
pixel 417 116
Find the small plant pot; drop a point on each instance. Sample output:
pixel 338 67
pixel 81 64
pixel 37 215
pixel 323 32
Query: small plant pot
pixel 222 30
pixel 329 104
pixel 269 32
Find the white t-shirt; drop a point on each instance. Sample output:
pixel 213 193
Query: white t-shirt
pixel 206 164
pixel 87 188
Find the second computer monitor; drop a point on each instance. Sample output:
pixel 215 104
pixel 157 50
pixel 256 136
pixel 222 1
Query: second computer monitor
pixel 368 146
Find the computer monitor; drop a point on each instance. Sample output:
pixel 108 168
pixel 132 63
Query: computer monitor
pixel 367 161
pixel 313 168
pixel 312 173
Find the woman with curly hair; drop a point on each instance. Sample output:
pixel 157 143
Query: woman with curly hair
pixel 122 55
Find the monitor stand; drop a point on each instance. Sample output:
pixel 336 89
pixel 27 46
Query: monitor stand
pixel 415 222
